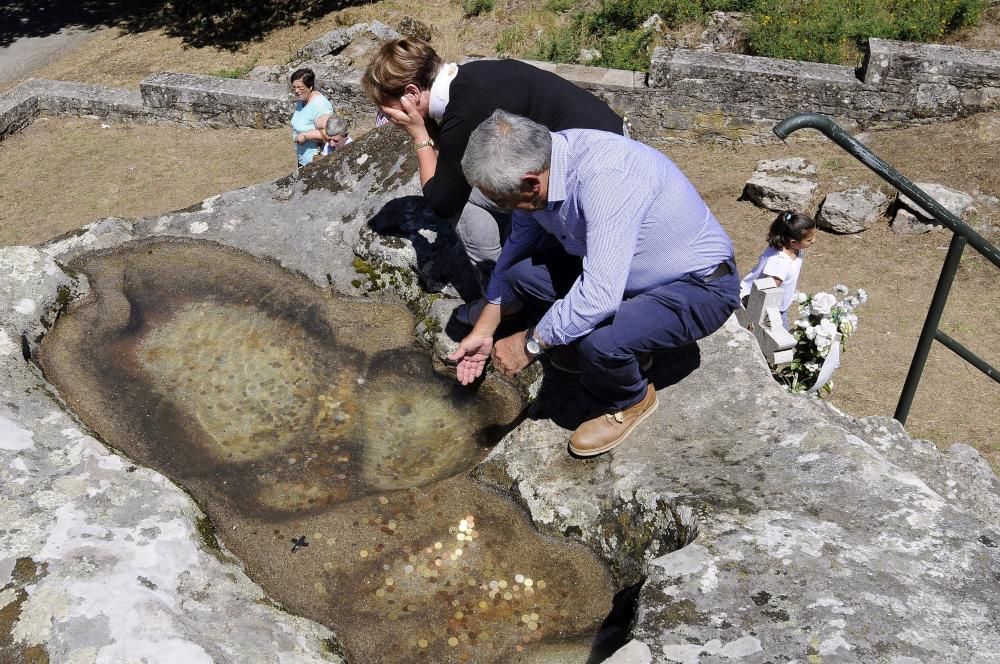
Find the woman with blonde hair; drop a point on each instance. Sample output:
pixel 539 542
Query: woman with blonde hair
pixel 439 104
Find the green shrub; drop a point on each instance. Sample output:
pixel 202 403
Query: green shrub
pixel 627 50
pixel 477 7
pixel 835 30
pixel 561 44
pixel 560 6
pixel 512 42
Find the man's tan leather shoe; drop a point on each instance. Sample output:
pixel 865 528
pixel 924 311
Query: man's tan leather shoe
pixel 606 432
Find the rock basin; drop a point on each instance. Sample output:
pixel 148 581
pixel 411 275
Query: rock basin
pixel 330 457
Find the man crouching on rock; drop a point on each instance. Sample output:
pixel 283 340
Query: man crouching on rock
pixel 639 263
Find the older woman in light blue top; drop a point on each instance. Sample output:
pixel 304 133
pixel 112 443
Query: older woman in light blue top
pixel 310 106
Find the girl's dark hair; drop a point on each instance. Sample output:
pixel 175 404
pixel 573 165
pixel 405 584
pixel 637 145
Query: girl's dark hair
pixel 787 227
pixel 307 76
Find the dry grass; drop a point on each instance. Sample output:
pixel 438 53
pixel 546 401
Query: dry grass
pixel 59 174
pixel 118 59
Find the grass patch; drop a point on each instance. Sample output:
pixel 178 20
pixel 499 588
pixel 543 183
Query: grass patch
pixel 477 7
pixel 124 171
pixel 237 72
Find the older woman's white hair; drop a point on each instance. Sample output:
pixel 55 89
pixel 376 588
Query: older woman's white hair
pixel 502 150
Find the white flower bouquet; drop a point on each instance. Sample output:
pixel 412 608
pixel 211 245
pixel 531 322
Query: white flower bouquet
pixel 825 321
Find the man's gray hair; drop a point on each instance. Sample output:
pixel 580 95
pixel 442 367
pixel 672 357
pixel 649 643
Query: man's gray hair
pixel 336 125
pixel 503 149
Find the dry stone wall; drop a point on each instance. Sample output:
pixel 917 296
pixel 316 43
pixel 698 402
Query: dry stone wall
pixel 687 94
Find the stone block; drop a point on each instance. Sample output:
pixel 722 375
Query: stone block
pixel 333 41
pixel 594 77
pixel 782 184
pixel 223 102
pixel 957 202
pixel 852 211
pixel 659 67
pixel 81 99
pixel 937 99
pixel 18 109
pixel 906 223
pixel 891 63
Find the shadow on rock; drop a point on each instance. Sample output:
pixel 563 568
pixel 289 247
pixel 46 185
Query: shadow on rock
pixel 564 401
pixel 440 258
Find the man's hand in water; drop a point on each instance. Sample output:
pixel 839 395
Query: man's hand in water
pixel 471 356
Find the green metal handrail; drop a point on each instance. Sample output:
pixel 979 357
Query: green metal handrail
pixel 962 234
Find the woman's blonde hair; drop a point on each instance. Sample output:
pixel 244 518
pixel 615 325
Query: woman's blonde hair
pixel 398 63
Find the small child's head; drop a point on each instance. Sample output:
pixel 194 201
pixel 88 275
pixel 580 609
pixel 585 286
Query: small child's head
pixel 335 131
pixel 792 230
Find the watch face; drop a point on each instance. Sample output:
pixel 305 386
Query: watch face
pixel 532 346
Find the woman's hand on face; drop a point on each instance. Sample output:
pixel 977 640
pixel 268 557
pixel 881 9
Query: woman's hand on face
pixel 408 117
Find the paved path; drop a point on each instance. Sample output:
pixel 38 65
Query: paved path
pixel 26 54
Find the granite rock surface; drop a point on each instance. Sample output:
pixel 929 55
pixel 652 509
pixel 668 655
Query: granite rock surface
pixel 767 527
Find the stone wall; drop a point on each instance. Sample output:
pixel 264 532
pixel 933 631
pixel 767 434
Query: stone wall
pixel 899 82
pixel 190 99
pixel 217 102
pixel 692 94
pixel 687 94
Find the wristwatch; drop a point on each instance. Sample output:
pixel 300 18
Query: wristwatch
pixel 423 144
pixel 532 347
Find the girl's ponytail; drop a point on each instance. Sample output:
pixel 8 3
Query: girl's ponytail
pixel 787 227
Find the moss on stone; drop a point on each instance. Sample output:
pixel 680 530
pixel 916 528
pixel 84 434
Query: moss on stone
pixel 206 531
pixel 361 266
pixel 432 325
pixel 63 296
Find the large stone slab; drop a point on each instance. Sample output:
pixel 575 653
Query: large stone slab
pixel 912 219
pixel 769 526
pixel 101 560
pixel 810 534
